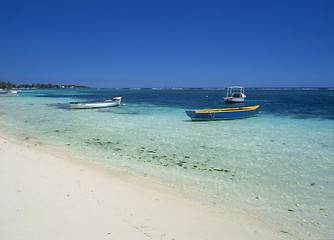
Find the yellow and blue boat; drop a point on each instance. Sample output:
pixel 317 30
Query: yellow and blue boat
pixel 223 114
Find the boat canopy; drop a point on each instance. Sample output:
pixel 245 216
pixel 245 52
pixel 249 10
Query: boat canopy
pixel 235 91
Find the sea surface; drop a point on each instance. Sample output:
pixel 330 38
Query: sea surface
pixel 278 166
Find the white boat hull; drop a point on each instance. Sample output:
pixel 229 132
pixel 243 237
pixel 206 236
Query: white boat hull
pixel 234 100
pixel 114 102
pixel 9 94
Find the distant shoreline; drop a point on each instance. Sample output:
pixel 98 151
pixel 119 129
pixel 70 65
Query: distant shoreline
pixel 8 85
pixel 224 88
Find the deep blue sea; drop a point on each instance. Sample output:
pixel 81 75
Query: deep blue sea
pixel 277 167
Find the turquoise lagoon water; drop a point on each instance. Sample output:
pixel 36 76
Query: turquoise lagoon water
pixel 278 167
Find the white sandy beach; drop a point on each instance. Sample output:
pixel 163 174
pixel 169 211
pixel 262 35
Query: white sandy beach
pixel 43 196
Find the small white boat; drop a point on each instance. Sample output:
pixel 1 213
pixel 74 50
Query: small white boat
pixel 235 94
pixel 113 102
pixel 9 94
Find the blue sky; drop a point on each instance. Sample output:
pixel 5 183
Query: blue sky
pixel 168 43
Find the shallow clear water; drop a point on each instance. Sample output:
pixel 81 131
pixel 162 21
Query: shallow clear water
pixel 278 166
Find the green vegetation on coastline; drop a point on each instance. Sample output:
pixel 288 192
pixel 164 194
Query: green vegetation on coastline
pixel 8 85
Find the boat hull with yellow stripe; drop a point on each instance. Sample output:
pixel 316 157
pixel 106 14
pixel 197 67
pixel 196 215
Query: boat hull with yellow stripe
pixel 223 114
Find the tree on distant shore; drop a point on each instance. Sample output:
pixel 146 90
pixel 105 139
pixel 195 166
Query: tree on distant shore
pixel 8 85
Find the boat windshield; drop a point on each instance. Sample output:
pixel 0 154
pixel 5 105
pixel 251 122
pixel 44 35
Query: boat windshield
pixel 237 95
